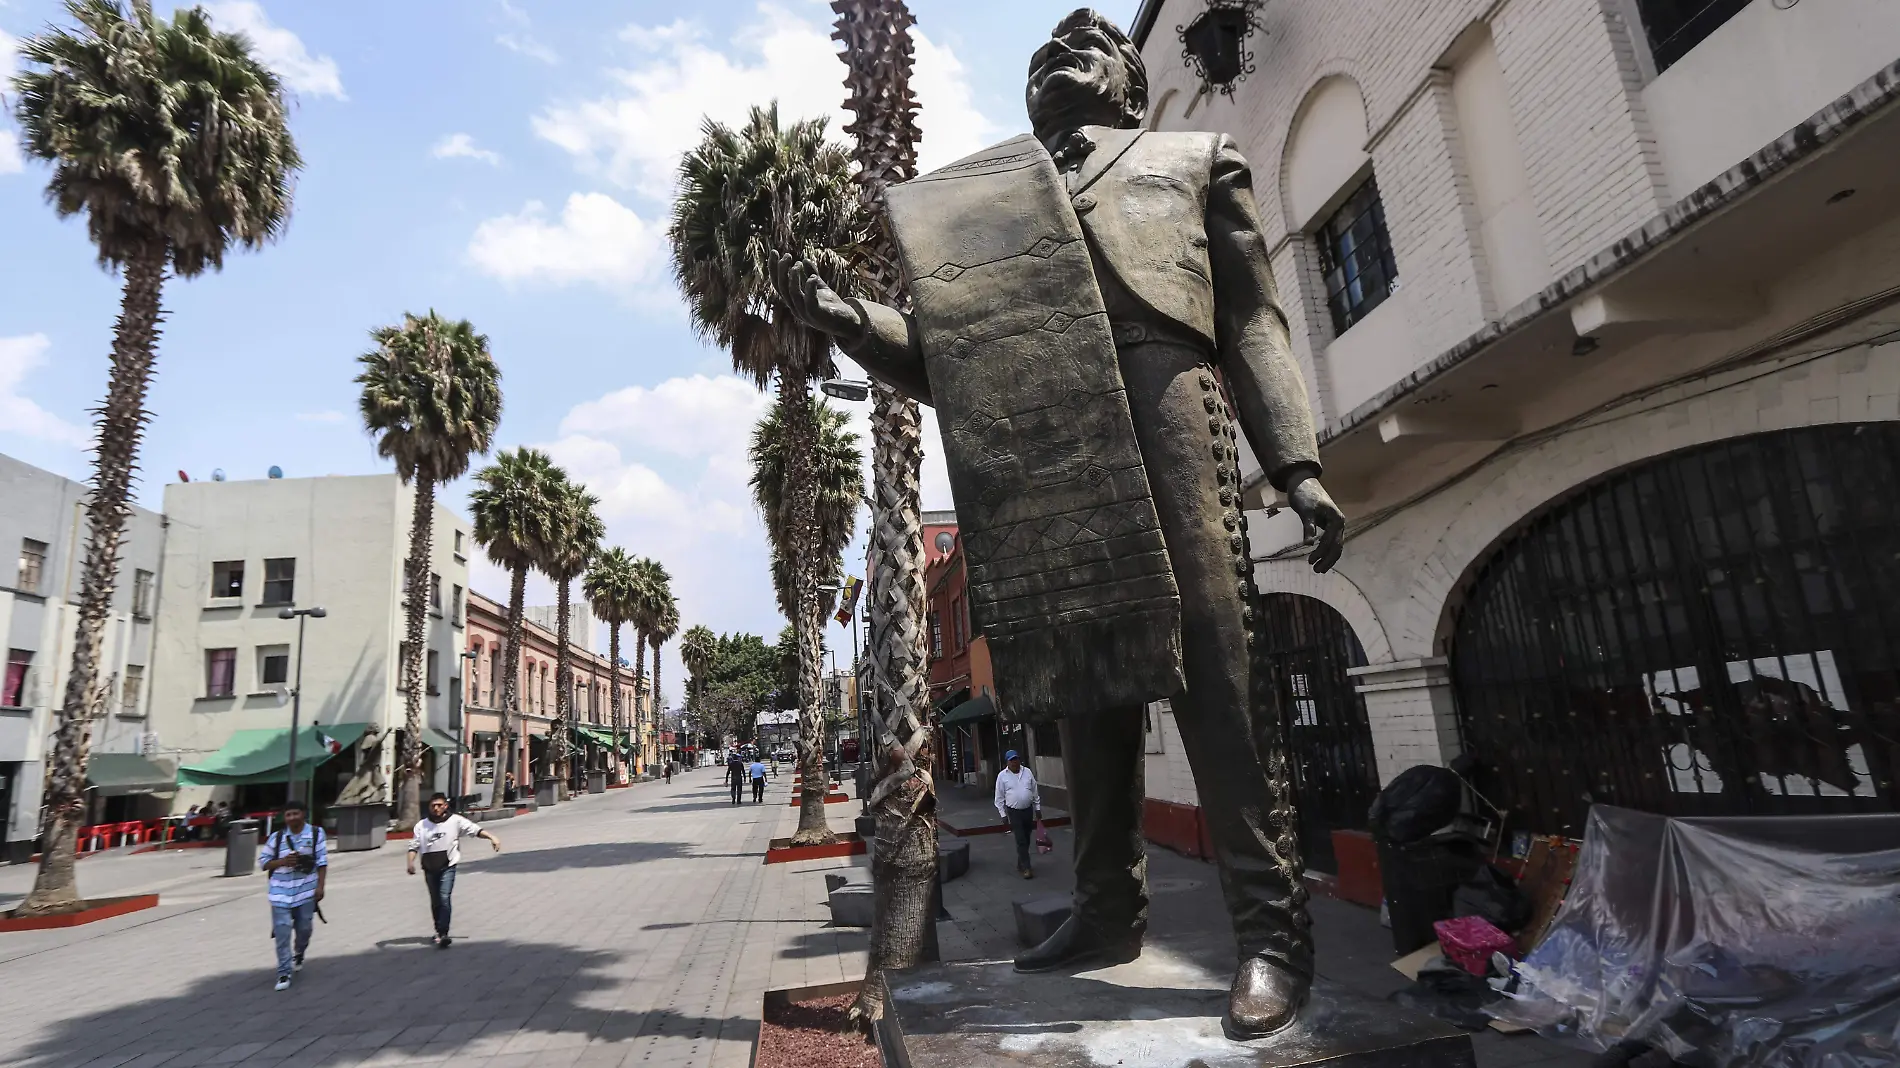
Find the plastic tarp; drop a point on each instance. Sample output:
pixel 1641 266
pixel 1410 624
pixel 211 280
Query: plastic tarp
pixel 1765 942
pixel 263 755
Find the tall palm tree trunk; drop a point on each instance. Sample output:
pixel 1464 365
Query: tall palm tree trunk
pixel 639 708
pixel 121 423
pixel 613 695
pixel 878 60
pixel 416 615
pixel 511 683
pixel 795 413
pixel 558 742
pixel 659 717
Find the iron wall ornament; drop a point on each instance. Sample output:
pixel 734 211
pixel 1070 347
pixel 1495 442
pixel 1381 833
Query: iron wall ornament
pixel 1214 44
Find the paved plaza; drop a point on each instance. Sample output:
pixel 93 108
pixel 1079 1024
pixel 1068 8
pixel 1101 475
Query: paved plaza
pixel 637 927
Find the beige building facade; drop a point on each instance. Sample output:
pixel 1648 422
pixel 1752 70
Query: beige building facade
pixel 1599 312
pixel 237 554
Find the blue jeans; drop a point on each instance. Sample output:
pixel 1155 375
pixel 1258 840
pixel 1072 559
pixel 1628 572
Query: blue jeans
pixel 284 920
pixel 441 887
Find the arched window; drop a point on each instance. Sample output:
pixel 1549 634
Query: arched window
pixel 1712 632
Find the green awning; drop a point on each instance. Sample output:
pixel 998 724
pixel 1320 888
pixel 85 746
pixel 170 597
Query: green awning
pixel 441 741
pixel 263 755
pixel 121 774
pixel 969 711
pixel 602 738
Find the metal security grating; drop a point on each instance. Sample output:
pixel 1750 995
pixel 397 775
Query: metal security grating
pixel 1708 633
pixel 1355 255
pixel 1308 647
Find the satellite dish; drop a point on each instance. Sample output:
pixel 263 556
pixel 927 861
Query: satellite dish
pixel 945 541
pixel 275 471
pixel 218 475
pixel 182 477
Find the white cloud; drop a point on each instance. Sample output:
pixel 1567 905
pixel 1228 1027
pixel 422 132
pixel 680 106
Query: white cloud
pixel 697 416
pixel 18 414
pixel 462 146
pixel 329 416
pixel 635 135
pixel 522 44
pixel 279 48
pixel 12 160
pixel 596 239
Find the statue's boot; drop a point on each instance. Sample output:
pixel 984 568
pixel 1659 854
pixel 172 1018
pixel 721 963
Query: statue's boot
pixel 1079 942
pixel 1266 996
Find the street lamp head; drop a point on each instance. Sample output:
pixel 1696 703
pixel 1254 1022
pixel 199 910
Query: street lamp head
pixel 317 613
pixel 286 613
pixel 850 389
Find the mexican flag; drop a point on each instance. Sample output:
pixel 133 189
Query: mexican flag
pixel 327 743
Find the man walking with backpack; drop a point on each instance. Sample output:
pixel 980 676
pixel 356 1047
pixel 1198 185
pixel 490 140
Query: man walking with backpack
pixel 438 841
pixel 298 860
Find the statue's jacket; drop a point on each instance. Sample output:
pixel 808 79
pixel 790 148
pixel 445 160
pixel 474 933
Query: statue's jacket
pixel 1010 337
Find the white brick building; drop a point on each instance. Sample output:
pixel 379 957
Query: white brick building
pixel 1599 306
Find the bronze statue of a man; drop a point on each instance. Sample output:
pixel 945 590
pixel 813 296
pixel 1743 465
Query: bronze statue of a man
pixel 1085 301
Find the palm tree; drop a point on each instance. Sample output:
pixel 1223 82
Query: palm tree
pixel 651 582
pixel 698 646
pixel 745 197
pixel 609 587
pixel 878 61
pixel 432 394
pixel 575 539
pixel 666 623
pixel 171 139
pixel 838 470
pixel 514 504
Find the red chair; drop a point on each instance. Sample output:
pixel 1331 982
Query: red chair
pixel 129 832
pixel 93 838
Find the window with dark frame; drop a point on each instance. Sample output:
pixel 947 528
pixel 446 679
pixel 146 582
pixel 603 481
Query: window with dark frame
pixel 435 667
pixel 455 604
pixel 1675 27
pixel 936 635
pixel 32 565
pixel 19 661
pixel 129 689
pixel 280 580
pixel 435 591
pixel 1048 739
pixel 220 672
pixel 273 667
pixel 142 590
pixel 227 578
pixel 1355 257
pixel 458 543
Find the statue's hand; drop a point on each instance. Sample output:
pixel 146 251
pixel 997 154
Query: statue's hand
pixel 813 302
pixel 1325 524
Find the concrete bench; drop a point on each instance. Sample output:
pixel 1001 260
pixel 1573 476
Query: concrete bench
pixel 852 905
pixel 1038 917
pixel 953 860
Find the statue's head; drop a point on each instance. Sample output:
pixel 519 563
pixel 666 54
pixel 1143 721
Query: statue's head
pixel 1088 73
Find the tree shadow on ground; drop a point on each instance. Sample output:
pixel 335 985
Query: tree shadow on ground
pixel 826 942
pixel 691 806
pixel 591 855
pixel 464 1005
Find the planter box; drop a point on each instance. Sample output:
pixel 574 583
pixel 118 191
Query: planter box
pixel 782 851
pixel 546 792
pixel 360 827
pixel 596 782
pixel 96 909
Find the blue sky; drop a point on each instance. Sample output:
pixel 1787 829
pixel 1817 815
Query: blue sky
pixel 507 161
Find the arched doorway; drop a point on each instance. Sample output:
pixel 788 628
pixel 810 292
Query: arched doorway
pixel 1308 647
pixel 1707 633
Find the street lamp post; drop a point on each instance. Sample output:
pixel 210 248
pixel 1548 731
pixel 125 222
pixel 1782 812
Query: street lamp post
pixel 456 721
pixel 296 695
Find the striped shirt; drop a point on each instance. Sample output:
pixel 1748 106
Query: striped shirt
pixel 288 886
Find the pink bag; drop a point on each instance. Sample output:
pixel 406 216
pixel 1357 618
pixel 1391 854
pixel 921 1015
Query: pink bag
pixel 1043 844
pixel 1469 942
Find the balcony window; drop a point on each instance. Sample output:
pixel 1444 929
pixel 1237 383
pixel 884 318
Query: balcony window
pixel 455 604
pixel 435 592
pixel 280 581
pixel 32 565
pixel 220 672
pixel 129 689
pixel 1674 27
pixel 936 635
pixel 227 578
pixel 435 667
pixel 1355 255
pixel 13 695
pixel 143 592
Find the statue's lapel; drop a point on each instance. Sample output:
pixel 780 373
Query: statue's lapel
pixel 1110 145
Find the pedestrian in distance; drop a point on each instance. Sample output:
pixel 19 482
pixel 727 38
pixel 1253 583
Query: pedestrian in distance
pixel 1019 802
pixel 438 844
pixel 297 856
pixel 758 780
pixel 735 778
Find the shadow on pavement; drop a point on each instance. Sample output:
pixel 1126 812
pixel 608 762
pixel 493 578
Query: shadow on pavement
pixel 477 1000
pixel 591 855
pixel 826 942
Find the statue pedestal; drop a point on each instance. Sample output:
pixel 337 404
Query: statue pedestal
pixel 1162 1011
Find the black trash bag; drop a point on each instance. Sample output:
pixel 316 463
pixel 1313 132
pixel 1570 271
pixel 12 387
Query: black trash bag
pixel 1493 895
pixel 1448 992
pixel 1420 800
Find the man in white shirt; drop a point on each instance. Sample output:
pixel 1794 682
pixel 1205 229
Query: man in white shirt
pixel 438 842
pixel 1020 803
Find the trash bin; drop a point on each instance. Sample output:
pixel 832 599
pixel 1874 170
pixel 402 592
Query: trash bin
pixel 240 848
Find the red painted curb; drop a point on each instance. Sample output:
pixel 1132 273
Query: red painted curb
pixel 782 852
pixel 830 799
pixel 397 836
pixel 107 908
